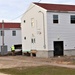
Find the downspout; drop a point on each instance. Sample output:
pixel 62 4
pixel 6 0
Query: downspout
pixel 43 29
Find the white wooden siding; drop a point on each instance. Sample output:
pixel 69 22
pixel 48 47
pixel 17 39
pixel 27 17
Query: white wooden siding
pixel 63 31
pixel 10 40
pixel 37 30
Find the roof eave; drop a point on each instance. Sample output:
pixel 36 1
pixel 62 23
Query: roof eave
pixel 60 11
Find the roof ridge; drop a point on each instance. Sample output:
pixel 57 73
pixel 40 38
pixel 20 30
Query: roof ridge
pixel 54 4
pixel 59 7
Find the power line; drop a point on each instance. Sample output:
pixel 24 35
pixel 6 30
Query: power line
pixel 32 7
pixel 39 1
pixel 25 12
pixel 16 17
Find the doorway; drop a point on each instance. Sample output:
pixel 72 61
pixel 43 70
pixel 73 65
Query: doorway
pixel 58 48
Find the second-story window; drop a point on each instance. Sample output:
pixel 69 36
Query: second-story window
pixel 13 33
pixel 72 19
pixel 55 18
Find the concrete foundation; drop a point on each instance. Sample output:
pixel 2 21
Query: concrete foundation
pixel 50 53
pixel 70 52
pixel 44 53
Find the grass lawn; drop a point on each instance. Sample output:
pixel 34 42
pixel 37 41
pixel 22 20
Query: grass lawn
pixel 42 70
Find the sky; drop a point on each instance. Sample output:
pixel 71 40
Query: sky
pixel 12 10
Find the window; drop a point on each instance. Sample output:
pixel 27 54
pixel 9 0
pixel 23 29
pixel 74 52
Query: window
pixel 33 40
pixel 73 19
pixel 32 22
pixel 24 21
pixel 25 38
pixel 13 33
pixel 55 18
pixel 1 33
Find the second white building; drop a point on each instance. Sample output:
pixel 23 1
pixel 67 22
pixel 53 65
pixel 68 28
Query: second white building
pixel 12 36
pixel 49 29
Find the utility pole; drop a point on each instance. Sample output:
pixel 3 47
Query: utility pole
pixel 2 34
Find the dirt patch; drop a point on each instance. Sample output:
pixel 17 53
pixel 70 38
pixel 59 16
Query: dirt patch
pixel 23 61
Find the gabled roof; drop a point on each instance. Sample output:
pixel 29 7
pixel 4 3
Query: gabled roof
pixel 59 7
pixel 10 25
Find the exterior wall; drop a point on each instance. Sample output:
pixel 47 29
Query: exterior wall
pixel 10 40
pixel 36 32
pixel 63 31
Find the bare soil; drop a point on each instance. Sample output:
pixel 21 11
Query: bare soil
pixel 23 61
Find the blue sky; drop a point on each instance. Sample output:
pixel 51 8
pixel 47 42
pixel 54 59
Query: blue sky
pixel 11 9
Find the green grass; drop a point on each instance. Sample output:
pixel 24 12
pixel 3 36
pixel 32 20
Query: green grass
pixel 42 70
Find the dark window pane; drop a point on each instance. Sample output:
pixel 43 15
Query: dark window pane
pixel 14 33
pixel 25 38
pixel 55 18
pixel 72 21
pixel 1 33
pixel 32 41
pixel 55 21
pixel 24 21
pixel 72 18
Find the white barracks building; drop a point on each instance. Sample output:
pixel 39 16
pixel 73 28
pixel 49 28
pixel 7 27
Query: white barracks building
pixel 12 35
pixel 49 30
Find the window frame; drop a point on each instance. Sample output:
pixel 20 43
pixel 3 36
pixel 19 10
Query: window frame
pixel 1 33
pixel 14 33
pixel 72 19
pixel 55 19
pixel 33 40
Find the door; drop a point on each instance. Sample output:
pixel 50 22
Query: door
pixel 58 48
